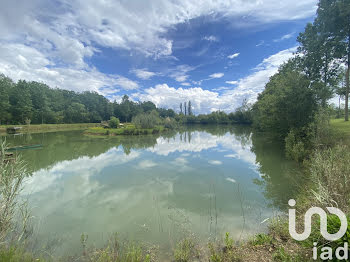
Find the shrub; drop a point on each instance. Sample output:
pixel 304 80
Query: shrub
pixel 170 123
pixel 184 251
pixel 147 120
pixel 114 122
pixel 261 239
pixel 295 147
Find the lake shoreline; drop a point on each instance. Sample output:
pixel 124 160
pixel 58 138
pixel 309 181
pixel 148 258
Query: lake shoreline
pixel 43 128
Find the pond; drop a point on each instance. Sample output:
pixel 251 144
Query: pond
pixel 157 189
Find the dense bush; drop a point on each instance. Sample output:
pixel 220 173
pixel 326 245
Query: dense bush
pixel 286 103
pixel 170 123
pixel 147 120
pixel 295 146
pixel 114 122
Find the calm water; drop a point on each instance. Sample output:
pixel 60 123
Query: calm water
pixel 201 181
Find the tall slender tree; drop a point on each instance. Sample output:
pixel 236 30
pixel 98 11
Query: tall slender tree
pixel 185 107
pixel 189 108
pixel 181 108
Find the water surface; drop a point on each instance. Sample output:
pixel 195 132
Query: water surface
pixel 155 188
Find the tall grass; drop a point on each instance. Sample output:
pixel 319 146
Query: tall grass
pixel 330 173
pixel 12 173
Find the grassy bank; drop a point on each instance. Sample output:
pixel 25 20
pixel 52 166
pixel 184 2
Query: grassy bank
pixel 341 127
pixel 49 127
pixel 127 129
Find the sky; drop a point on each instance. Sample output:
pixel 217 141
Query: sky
pixel 215 53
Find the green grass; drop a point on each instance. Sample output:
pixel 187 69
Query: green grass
pixel 14 254
pixel 261 239
pixel 50 127
pixel 341 126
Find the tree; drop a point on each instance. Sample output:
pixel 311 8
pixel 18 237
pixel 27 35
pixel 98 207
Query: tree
pixel 76 113
pixel 21 103
pixel 5 86
pixel 185 108
pixel 146 120
pixel 189 108
pixel 37 102
pixel 286 103
pixel 181 108
pixel 317 61
pixel 148 106
pixel 333 21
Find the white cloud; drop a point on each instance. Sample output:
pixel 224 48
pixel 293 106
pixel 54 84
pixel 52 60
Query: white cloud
pixel 19 61
pixel 203 141
pixel 284 37
pixel 211 38
pixel 215 162
pixel 185 84
pixel 145 164
pixel 262 42
pixel 231 180
pixel 232 82
pixel 233 55
pixel 180 73
pixel 126 83
pixel 143 73
pixel 180 161
pixel 69 29
pixel 205 101
pixel 221 88
pixel 232 156
pixel 57 37
pixel 216 75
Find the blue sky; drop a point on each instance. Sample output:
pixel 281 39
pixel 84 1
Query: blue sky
pixel 214 53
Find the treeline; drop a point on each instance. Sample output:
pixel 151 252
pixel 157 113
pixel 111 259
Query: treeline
pixel 32 102
pixel 242 115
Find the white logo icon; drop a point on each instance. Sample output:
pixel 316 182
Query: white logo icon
pixel 323 223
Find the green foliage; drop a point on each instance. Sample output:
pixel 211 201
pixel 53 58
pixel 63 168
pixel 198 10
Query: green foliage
pixel 15 254
pixel 330 171
pixel 12 174
pixel 147 120
pixel 226 253
pixel 114 122
pixel 324 43
pixel 243 114
pixel 261 239
pixel 228 241
pixel 184 250
pixel 279 227
pixel 333 226
pixel 127 130
pixel 286 103
pixel 41 104
pixel 282 256
pixel 170 123
pixel 115 251
pixel 295 147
